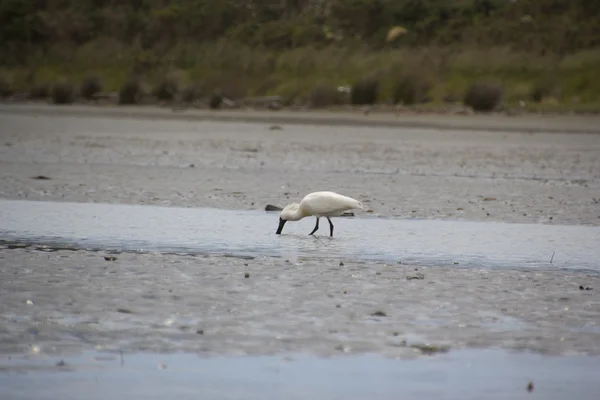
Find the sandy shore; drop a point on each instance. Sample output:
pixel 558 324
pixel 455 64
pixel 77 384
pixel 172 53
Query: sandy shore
pixel 398 172
pixel 382 118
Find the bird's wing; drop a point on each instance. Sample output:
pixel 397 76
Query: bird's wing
pixel 328 202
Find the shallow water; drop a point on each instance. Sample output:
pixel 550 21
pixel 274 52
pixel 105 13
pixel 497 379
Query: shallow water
pixel 115 227
pixel 466 374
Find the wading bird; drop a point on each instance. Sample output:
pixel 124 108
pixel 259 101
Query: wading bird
pixel 319 204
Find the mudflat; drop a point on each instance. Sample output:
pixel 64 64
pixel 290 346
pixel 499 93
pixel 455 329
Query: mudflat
pixel 65 301
pixel 397 172
pixel 58 302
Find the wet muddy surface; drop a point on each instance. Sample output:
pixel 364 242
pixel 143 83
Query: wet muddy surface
pixel 56 302
pixel 518 213
pixel 407 173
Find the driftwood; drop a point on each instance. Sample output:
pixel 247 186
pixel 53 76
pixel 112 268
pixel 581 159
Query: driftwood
pixel 261 101
pixel 272 102
pixel 20 96
pixel 271 207
pixel 105 96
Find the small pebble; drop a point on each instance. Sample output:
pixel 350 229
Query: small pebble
pixel 200 331
pixel 379 313
pixel 61 363
pixel 110 258
pixel 246 275
pixel 341 264
pixel 530 387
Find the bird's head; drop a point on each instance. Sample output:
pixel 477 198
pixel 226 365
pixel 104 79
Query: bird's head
pixel 289 213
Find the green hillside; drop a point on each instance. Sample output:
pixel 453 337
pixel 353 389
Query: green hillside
pixel 544 52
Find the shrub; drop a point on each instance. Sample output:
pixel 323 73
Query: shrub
pixel 483 96
pixel 233 88
pixel 268 85
pixel 5 87
pixel 291 99
pixel 364 92
pixel 324 95
pixel 541 88
pixel 167 88
pixel 216 100
pixel 38 91
pixel 290 91
pixel 62 93
pixel 451 97
pixel 190 93
pixel 411 89
pixel 130 92
pixel 90 86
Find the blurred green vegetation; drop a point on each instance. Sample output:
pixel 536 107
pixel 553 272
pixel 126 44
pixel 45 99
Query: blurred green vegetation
pixel 545 52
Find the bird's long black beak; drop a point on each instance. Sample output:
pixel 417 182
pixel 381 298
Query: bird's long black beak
pixel 281 224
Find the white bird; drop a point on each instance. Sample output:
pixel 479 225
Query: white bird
pixel 319 204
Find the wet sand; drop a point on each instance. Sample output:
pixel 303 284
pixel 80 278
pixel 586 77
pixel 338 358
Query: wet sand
pixel 75 300
pixel 65 302
pixel 397 172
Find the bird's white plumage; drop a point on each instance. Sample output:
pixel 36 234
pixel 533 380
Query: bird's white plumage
pixel 328 204
pixel 320 204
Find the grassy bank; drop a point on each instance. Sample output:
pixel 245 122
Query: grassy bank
pixel 535 54
pixel 431 76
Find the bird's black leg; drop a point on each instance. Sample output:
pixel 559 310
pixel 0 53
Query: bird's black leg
pixel 330 227
pixel 316 227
